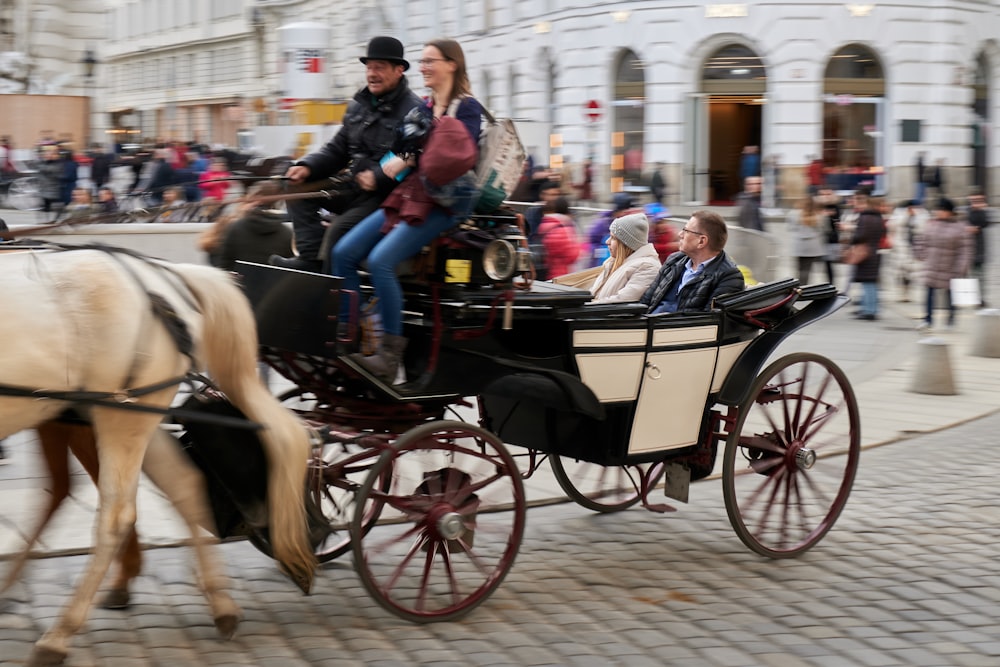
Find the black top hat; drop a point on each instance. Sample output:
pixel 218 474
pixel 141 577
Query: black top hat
pixel 386 48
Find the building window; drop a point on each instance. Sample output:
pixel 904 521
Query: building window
pixel 629 121
pixel 854 120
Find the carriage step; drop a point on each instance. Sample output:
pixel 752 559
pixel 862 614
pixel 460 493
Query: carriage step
pixel 659 508
pixel 398 392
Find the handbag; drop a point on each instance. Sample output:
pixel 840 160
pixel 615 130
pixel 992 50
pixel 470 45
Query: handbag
pixel 449 152
pixel 965 292
pixel 855 254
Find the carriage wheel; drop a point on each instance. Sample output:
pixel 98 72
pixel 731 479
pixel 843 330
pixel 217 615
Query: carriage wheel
pixel 602 488
pixel 443 546
pixel 25 194
pixel 335 503
pixel 783 488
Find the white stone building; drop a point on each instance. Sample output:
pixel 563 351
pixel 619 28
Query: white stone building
pixel 865 87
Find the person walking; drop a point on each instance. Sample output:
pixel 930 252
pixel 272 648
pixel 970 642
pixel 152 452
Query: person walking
pixel 869 228
pixel 360 146
pixel 749 215
pixel 979 220
pixel 945 247
pixel 806 229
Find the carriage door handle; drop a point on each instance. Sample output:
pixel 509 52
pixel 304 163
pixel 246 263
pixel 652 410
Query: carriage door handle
pixel 653 371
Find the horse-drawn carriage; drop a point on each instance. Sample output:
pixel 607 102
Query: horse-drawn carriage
pixel 417 479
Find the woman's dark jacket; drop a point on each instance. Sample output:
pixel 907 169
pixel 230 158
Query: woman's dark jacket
pixel 719 277
pixel 869 230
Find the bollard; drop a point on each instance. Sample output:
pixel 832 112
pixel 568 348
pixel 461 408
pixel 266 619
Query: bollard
pixel 986 333
pixel 933 372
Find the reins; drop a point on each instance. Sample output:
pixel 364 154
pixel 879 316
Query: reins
pixel 327 187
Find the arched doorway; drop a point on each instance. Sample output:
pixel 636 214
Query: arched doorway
pixel 628 131
pixel 733 86
pixel 854 120
pixel 981 124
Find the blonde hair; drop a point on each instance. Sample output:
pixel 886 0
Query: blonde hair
pixel 619 254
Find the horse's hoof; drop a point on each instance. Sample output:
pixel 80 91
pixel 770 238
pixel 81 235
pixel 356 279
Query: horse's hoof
pixel 45 657
pixel 226 625
pixel 117 598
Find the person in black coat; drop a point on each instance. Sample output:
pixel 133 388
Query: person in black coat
pixel 700 271
pixel 100 167
pixel 259 232
pixel 868 232
pixel 361 145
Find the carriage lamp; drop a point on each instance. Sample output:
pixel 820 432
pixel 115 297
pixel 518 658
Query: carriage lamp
pixel 500 260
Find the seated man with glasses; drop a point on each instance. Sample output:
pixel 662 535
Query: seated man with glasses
pixel 700 271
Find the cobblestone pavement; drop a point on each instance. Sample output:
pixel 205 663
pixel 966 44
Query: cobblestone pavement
pixel 908 576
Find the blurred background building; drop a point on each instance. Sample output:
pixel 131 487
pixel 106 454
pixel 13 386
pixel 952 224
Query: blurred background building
pixel 681 87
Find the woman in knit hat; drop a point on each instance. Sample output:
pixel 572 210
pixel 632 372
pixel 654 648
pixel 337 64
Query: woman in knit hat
pixel 633 263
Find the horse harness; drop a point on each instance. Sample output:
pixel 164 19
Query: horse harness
pixel 125 399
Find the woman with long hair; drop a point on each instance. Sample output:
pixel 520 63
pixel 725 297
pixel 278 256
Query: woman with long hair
pixel 633 264
pixel 387 245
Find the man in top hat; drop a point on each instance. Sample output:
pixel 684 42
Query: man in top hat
pixel 360 147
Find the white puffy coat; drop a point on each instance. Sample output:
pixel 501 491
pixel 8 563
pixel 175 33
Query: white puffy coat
pixel 631 279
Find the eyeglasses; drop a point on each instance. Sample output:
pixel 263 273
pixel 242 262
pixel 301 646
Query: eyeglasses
pixel 427 62
pixel 691 231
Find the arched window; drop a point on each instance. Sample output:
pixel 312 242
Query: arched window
pixel 854 120
pixel 629 122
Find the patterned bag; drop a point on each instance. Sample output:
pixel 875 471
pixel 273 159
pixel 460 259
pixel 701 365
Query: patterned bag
pixel 501 162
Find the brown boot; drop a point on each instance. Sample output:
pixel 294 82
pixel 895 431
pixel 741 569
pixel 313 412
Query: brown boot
pixel 385 363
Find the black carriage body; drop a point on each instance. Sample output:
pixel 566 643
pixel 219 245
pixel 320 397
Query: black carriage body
pixel 602 383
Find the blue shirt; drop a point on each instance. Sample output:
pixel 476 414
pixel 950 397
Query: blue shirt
pixel 672 297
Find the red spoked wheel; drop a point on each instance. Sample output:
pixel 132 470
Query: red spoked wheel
pixel 452 522
pixel 783 485
pixel 604 488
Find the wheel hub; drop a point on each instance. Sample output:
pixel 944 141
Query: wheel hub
pixel 805 458
pixel 450 526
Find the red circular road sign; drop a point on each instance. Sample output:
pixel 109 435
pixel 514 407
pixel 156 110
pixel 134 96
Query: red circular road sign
pixel 592 110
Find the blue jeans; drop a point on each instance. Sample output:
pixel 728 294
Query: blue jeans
pixel 869 298
pixel 931 294
pixel 384 252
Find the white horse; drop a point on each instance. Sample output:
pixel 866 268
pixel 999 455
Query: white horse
pixel 92 324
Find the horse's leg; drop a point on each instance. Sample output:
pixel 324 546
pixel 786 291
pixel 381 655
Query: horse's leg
pixel 54 452
pixel 122 438
pixel 80 440
pixel 172 471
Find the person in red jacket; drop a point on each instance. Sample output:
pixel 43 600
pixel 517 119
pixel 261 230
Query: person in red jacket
pixel 212 181
pixel 664 237
pixel 558 235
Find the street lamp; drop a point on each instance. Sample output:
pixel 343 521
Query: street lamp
pixel 89 62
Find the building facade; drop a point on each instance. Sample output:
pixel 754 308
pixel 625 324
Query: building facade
pixel 678 86
pixel 46 49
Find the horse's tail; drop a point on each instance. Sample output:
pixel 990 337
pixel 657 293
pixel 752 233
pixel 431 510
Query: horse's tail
pixel 229 351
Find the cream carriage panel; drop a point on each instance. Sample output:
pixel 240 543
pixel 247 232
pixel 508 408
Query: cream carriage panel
pixel 669 412
pixel 612 376
pixel 728 354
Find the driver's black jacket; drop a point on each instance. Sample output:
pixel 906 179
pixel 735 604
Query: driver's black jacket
pixel 368 130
